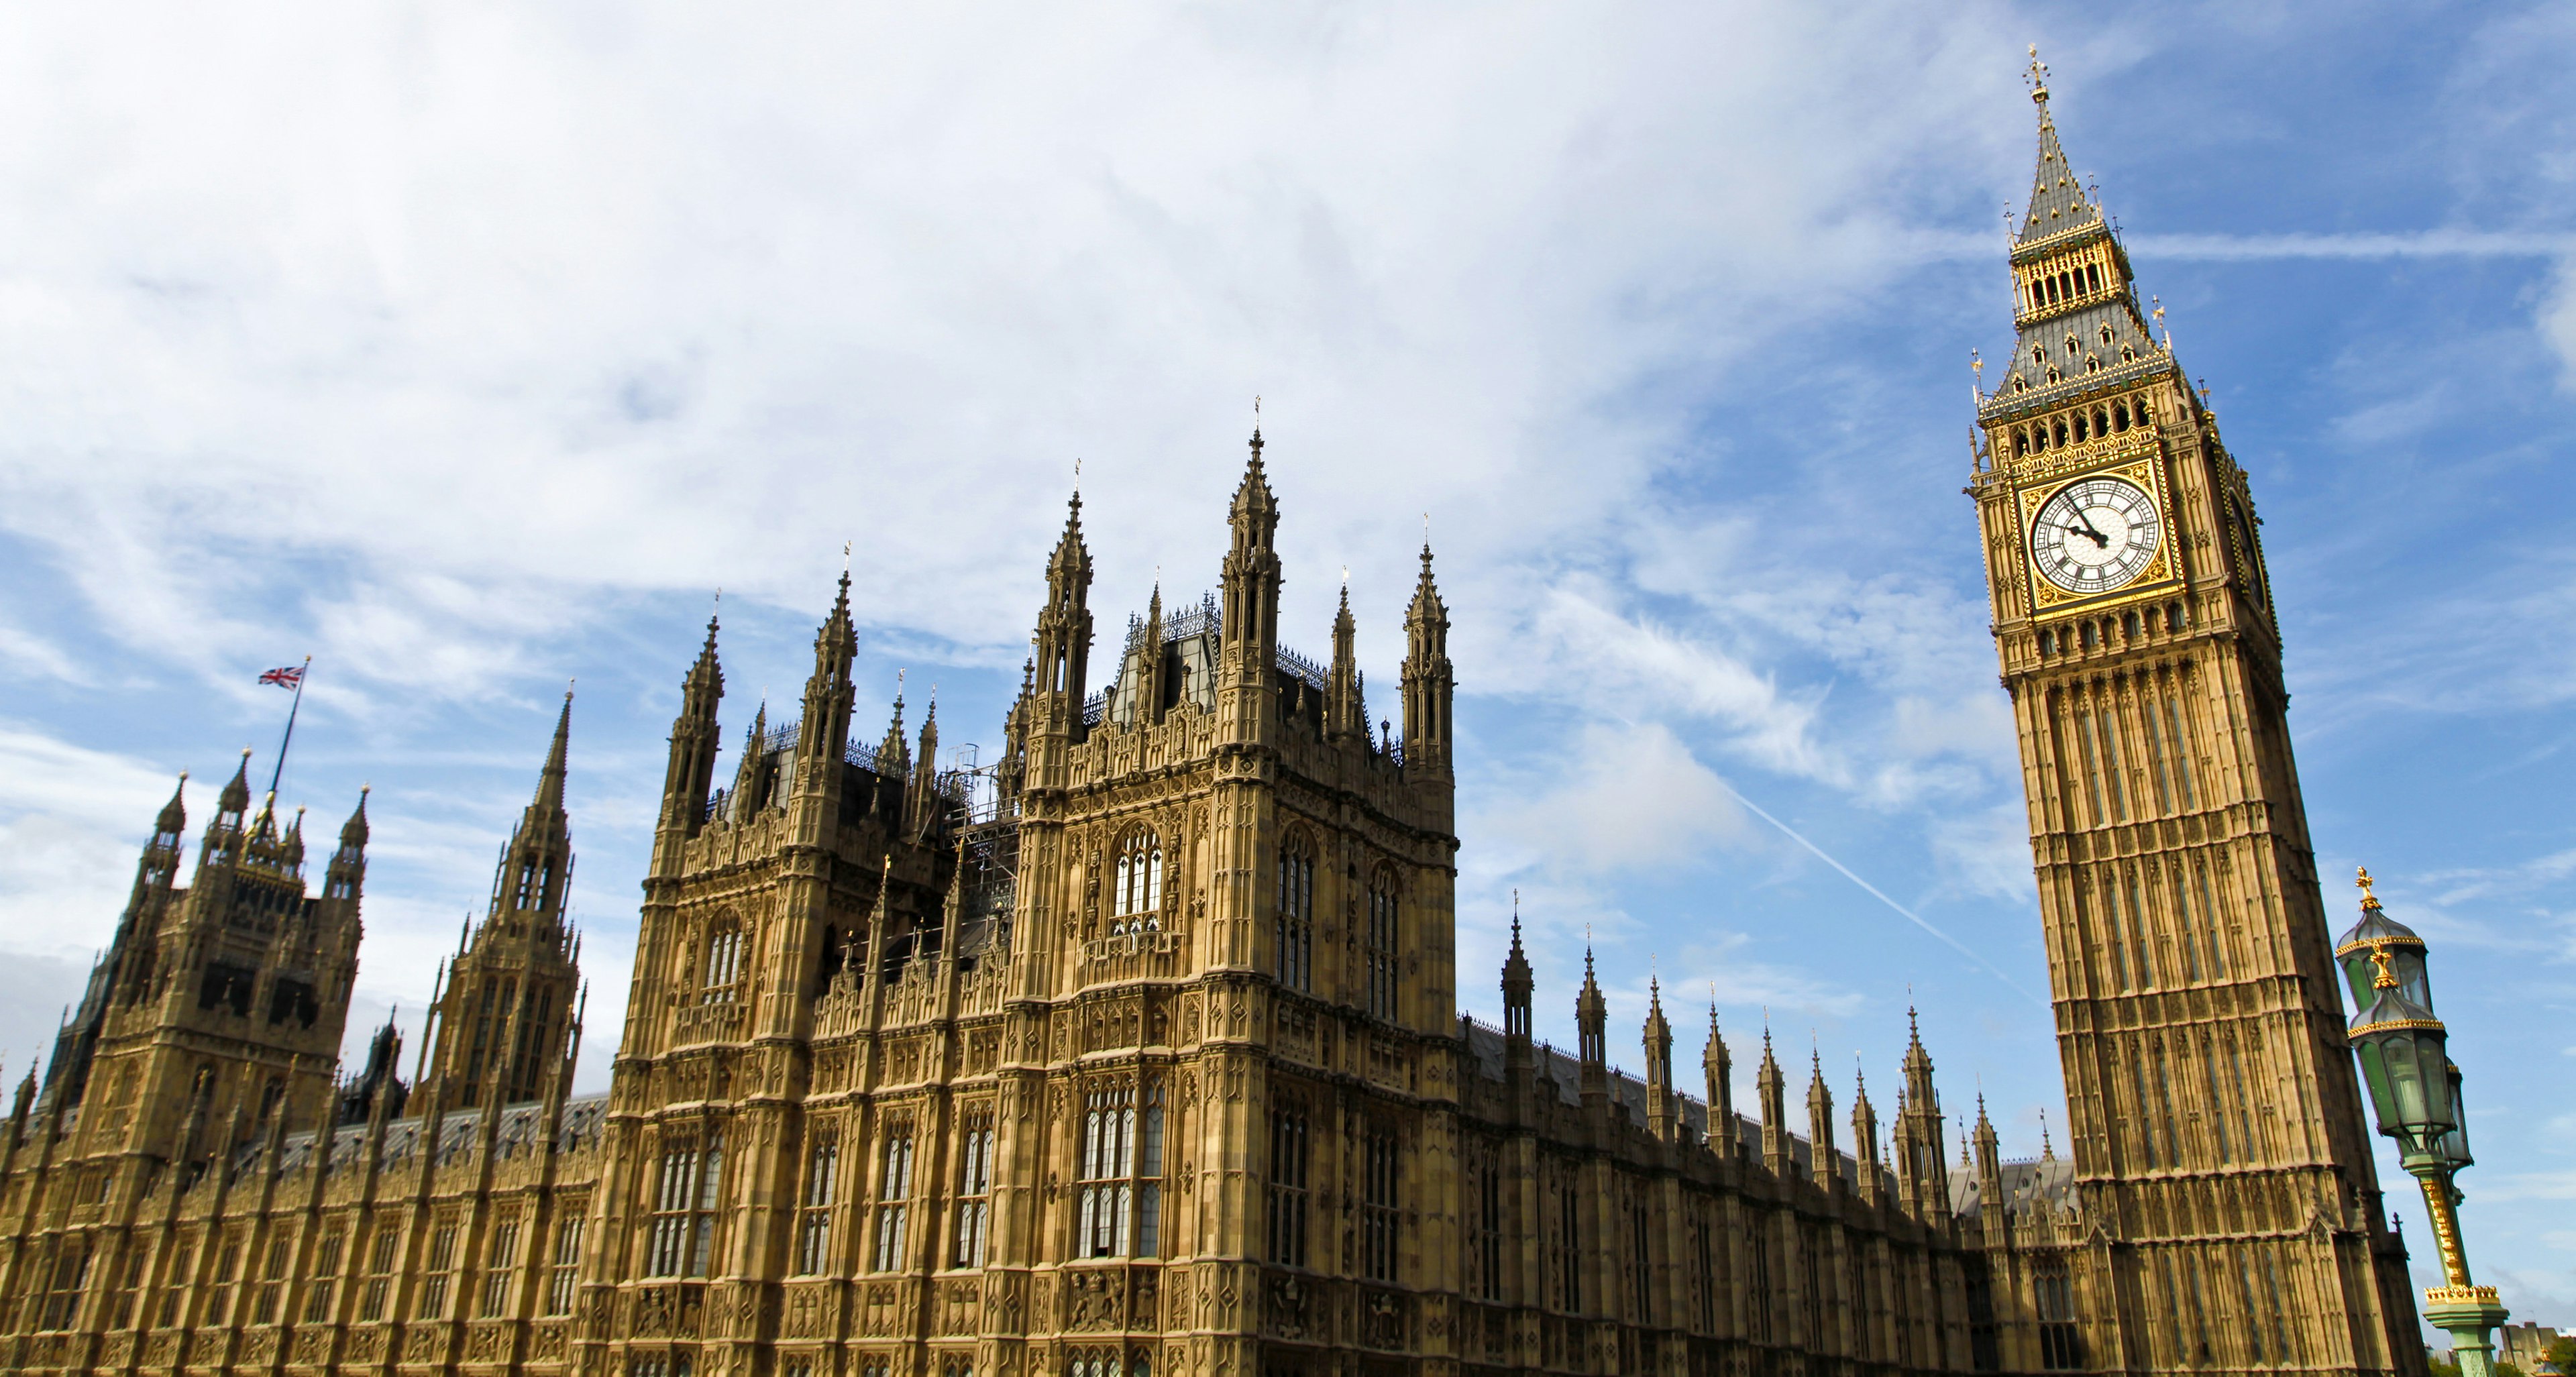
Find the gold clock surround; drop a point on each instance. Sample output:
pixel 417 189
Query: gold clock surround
pixel 2047 599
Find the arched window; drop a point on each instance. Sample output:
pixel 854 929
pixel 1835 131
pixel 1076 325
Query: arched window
pixel 1136 881
pixel 721 977
pixel 1294 930
pixel 2119 416
pixel 1380 956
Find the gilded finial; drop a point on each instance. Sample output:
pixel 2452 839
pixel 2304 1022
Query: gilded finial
pixel 2369 900
pixel 2037 76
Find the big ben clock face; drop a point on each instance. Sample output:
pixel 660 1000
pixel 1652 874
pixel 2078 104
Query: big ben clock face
pixel 2095 535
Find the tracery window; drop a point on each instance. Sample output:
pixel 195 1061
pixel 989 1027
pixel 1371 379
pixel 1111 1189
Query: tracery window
pixel 1136 880
pixel 1119 1164
pixel 2061 1343
pixel 1294 929
pixel 814 1217
pixel 1377 1206
pixel 1485 1226
pixel 894 1194
pixel 70 1275
pixel 500 1265
pixel 272 1284
pixel 176 1284
pixel 684 1203
pixel 380 1274
pixel 326 1271
pixel 433 1285
pixel 722 973
pixel 567 1264
pixel 1379 956
pixel 1288 1185
pixel 1568 1249
pixel 974 1190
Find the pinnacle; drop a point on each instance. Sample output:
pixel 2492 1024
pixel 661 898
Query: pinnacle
pixel 236 795
pixel 353 833
pixel 550 780
pixel 174 814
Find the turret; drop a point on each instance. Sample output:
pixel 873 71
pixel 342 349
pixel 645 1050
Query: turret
pixel 1990 1171
pixel 1345 712
pixel 1720 1071
pixel 509 992
pixel 1517 988
pixel 823 738
pixel 1922 1179
pixel 1247 696
pixel 691 771
pixel 346 877
pixel 1052 710
pixel 1661 1119
pixel 1825 1162
pixel 921 796
pixel 1592 1025
pixel 1429 682
pixel 1864 1121
pixel 1777 1157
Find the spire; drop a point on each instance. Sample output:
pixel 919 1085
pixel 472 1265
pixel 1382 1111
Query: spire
pixel 347 873
pixel 1720 1071
pixel 894 757
pixel 1661 1121
pixel 1250 580
pixel 1429 682
pixel 823 737
pixel 1864 1121
pixel 1768 1087
pixel 2073 302
pixel 691 771
pixel 174 814
pixel 1517 987
pixel 235 799
pixel 536 866
pixel 1344 713
pixel 1054 711
pixel 550 780
pixel 1826 1163
pixel 2057 200
pixel 1990 1178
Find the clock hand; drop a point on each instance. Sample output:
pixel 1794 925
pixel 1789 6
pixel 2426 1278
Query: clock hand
pixel 2087 523
pixel 2099 540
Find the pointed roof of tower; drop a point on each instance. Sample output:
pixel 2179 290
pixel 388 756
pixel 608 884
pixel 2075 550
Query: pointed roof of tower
pixel 1069 549
pixel 1426 589
pixel 1253 500
pixel 550 780
pixel 1516 966
pixel 174 814
pixel 353 833
pixel 236 795
pixel 2057 199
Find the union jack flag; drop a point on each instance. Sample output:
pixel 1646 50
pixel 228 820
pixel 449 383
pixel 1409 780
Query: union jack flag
pixel 287 676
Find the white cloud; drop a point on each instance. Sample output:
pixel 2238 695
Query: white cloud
pixel 72 823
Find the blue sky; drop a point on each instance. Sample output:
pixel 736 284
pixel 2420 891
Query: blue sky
pixel 469 351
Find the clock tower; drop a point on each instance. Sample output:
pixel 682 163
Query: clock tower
pixel 2222 1159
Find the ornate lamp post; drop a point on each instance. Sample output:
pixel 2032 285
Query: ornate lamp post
pixel 2415 1091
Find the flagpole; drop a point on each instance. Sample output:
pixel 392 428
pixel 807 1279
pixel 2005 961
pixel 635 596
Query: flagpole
pixel 282 743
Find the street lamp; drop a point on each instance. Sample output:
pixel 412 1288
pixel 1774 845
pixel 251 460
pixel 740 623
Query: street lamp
pixel 2415 1091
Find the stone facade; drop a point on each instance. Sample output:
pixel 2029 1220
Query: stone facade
pixel 2231 1210
pixel 1139 1051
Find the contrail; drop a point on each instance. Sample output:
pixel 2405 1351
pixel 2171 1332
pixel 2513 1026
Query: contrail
pixel 1881 895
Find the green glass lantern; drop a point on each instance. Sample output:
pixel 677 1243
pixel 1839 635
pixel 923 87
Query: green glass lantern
pixel 2453 1147
pixel 2359 951
pixel 2403 1061
pixel 2415 1093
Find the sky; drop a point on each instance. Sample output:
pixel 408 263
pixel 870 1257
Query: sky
pixel 471 349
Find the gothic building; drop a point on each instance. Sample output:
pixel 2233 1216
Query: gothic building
pixel 1140 1052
